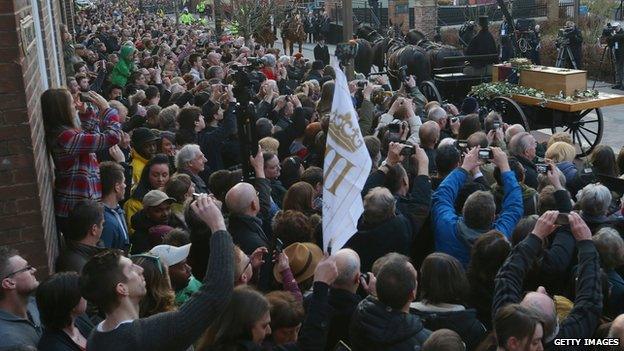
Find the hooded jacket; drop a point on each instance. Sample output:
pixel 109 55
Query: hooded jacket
pixel 376 327
pixel 75 255
pixel 373 241
pixel 123 68
pixel 454 317
pixel 452 235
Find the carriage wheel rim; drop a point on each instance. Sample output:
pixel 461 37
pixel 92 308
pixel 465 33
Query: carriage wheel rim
pixel 578 131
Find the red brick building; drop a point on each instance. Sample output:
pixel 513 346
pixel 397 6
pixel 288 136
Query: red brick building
pixel 31 61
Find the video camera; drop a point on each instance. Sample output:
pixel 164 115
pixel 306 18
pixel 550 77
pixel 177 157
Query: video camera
pixel 607 32
pixel 563 37
pixel 245 118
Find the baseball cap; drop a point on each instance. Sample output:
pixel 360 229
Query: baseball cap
pixel 155 198
pixel 171 255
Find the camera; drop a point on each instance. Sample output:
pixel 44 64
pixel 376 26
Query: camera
pixel 84 97
pixel 407 150
pixel 462 145
pixel 362 84
pixel 607 32
pixel 542 168
pixel 563 36
pixel 403 73
pixel 394 128
pixel 366 277
pixel 486 153
pixel 454 119
pixel 562 219
pixel 496 125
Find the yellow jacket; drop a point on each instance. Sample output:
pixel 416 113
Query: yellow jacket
pixel 138 163
pixel 131 207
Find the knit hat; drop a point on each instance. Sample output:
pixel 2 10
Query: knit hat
pixel 303 259
pixel 171 255
pixel 142 135
pixel 155 198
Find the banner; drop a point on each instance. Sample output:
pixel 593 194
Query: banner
pixel 346 168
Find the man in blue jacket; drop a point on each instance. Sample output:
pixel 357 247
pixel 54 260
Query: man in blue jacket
pixel 455 234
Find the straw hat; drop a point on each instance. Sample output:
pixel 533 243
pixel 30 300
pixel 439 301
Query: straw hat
pixel 303 259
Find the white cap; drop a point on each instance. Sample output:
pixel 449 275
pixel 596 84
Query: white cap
pixel 171 255
pixel 615 24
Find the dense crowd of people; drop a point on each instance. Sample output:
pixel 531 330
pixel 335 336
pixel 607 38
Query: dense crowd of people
pixel 474 236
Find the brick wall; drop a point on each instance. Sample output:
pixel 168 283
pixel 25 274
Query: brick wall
pixel 26 206
pixel 426 15
pixel 399 17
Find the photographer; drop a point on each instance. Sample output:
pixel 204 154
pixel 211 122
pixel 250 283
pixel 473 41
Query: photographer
pixel 573 34
pixel 616 43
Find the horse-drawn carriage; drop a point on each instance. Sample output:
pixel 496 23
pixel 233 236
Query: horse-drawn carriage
pixel 576 111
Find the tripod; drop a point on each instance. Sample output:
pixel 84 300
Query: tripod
pixel 606 51
pixel 563 51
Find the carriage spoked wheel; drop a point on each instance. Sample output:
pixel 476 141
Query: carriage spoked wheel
pixel 585 127
pixel 511 112
pixel 429 90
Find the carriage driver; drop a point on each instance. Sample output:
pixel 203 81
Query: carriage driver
pixel 481 44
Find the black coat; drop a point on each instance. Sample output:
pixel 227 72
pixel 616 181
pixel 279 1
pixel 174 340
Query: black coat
pixel 464 323
pixel 374 241
pixel 247 232
pixel 530 172
pixel 75 255
pixel 58 340
pixel 482 44
pixel 377 328
pixel 342 305
pixel 321 53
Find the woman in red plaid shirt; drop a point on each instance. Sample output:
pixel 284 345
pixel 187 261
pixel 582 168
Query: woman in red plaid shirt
pixel 73 144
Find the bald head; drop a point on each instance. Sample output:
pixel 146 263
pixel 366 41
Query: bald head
pixel 545 307
pixel 429 133
pixel 348 264
pixel 242 200
pixel 617 329
pixel 513 130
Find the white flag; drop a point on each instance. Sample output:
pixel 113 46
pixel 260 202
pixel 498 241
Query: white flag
pixel 347 165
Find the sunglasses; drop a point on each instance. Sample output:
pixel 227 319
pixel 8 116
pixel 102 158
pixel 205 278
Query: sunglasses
pixel 27 268
pixel 152 258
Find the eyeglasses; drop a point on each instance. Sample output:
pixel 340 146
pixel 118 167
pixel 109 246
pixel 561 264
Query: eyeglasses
pixel 153 258
pixel 27 268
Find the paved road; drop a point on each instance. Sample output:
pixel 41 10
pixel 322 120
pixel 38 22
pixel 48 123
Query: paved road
pixel 613 116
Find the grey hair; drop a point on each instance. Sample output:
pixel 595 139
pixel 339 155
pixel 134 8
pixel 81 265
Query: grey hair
pixel 436 114
pixel 269 59
pixel 379 205
pixel 594 199
pixel 518 143
pixel 513 130
pixel 186 154
pixel 610 246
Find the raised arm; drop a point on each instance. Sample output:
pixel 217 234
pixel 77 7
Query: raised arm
pixel 180 329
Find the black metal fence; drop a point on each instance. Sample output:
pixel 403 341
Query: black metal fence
pixel 455 15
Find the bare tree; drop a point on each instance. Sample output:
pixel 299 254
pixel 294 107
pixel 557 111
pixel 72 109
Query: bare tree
pixel 254 16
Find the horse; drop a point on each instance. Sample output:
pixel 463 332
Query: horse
pixel 378 43
pixel 435 52
pixel 466 33
pixel 360 51
pixel 293 31
pixel 265 36
pixel 400 54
